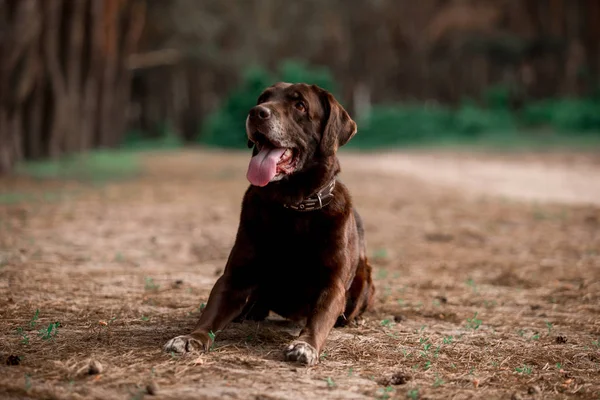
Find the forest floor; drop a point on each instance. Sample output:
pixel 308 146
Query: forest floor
pixel 487 269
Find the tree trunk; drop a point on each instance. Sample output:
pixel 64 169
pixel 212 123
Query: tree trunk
pixel 56 55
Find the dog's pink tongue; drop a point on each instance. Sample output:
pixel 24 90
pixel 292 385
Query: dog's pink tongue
pixel 263 166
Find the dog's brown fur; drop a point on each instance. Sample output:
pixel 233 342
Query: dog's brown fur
pixel 309 265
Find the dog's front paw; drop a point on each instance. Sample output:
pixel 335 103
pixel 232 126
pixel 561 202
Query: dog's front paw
pixel 188 343
pixel 302 352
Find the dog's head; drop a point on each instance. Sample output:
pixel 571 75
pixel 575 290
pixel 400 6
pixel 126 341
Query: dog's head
pixel 292 127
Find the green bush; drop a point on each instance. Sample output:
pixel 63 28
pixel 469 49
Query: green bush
pixel 564 115
pixel 497 97
pixel 227 126
pixel 394 125
pixel 409 124
pixel 471 121
pixel 416 124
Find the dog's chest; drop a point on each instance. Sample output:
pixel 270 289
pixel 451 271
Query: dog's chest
pixel 285 236
pixel 294 253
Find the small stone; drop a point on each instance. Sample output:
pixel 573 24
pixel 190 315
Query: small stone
pixel 399 318
pixel 516 396
pixel 442 299
pixel 152 388
pixel 13 360
pixel 534 390
pixel 177 284
pixel 95 368
pixel 395 379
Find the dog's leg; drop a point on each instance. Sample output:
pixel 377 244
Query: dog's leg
pixel 307 347
pixel 225 302
pixel 360 295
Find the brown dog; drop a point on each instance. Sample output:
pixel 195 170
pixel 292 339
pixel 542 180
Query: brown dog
pixel 300 248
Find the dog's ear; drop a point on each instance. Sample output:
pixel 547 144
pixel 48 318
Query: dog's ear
pixel 338 127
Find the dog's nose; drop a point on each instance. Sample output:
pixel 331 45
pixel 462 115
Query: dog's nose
pixel 261 112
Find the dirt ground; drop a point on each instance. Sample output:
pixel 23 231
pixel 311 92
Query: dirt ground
pixel 487 269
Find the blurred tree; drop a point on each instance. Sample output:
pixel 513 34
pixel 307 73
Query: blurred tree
pixel 66 64
pixel 64 81
pixel 378 50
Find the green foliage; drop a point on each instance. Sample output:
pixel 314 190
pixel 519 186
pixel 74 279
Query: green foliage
pixel 471 120
pixel 524 370
pixel 97 166
pixel 24 336
pixel 227 126
pixel 413 394
pixel 330 382
pixel 51 332
pixel 385 393
pixel 395 125
pixel 564 115
pixel 497 97
pixel 35 317
pixel 149 284
pixel 411 124
pixel 295 72
pixel 473 323
pixel 494 123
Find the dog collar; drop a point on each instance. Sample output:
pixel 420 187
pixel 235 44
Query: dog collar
pixel 315 201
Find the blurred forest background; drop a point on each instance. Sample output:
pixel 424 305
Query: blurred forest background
pixel 77 75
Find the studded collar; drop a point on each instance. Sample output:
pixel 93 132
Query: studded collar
pixel 315 201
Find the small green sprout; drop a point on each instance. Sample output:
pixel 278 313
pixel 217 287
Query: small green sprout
pixel 36 316
pixel 150 284
pixel 24 336
pixel 385 392
pixel 471 283
pixel 524 370
pixel 49 333
pixel 473 323
pixel 413 394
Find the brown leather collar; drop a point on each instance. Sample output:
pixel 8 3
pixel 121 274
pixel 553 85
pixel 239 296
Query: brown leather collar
pixel 315 201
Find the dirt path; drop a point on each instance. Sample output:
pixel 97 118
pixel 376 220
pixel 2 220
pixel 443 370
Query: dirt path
pixel 478 296
pixel 574 180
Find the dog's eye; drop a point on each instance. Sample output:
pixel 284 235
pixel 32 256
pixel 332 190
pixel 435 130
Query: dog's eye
pixel 300 106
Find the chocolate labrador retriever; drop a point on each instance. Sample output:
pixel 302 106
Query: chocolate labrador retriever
pixel 300 247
